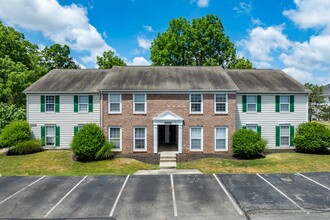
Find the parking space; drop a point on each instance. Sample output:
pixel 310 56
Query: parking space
pixel 253 196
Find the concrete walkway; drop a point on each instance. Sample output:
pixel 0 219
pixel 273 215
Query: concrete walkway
pixel 167 171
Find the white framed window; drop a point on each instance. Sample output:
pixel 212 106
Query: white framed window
pixel 196 138
pixel 140 138
pixel 221 138
pixel 221 103
pixel 252 127
pixel 284 135
pixel 114 103
pixel 196 103
pixel 115 137
pixel 50 136
pixel 139 103
pixel 284 103
pixel 50 103
pixel 83 103
pixel 251 103
pixel 80 126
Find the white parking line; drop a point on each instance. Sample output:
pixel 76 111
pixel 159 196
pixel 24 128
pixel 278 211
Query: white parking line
pixel 173 197
pixel 239 210
pixel 314 181
pixel 22 190
pixel 118 197
pixel 66 195
pixel 287 197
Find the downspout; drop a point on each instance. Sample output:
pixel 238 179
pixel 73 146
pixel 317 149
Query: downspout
pixel 27 107
pixel 101 113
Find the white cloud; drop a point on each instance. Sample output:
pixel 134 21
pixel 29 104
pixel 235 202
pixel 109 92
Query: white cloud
pixel 144 43
pixel 148 28
pixel 61 24
pixel 201 3
pixel 256 21
pixel 298 74
pixel 243 8
pixel 139 61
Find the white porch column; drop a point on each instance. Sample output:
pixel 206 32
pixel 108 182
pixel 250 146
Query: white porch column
pixel 155 139
pixel 180 139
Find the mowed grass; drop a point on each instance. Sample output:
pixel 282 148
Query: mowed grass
pixel 272 163
pixel 59 163
pixel 327 124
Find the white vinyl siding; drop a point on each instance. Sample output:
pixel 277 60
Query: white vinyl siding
pixel 139 103
pixel 83 103
pixel 221 138
pixel 196 138
pixel 66 119
pixel 196 103
pixel 220 103
pixel 114 103
pixel 140 138
pixel 115 138
pixel 268 119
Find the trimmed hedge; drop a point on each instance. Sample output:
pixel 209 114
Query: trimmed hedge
pixel 87 142
pixel 105 152
pixel 248 144
pixel 15 132
pixel 312 137
pixel 26 147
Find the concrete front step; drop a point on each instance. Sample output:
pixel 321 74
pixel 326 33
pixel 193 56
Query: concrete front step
pixel 167 165
pixel 168 159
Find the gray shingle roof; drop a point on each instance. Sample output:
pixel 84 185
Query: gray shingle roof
pixel 265 80
pixel 326 90
pixel 167 78
pixel 69 80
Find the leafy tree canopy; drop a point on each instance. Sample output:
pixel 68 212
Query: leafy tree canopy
pixel 201 42
pixel 108 60
pixel 315 99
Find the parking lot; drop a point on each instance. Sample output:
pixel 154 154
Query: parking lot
pixel 243 196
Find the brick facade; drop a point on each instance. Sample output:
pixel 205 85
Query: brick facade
pixel 179 105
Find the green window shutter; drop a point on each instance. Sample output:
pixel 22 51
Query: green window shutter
pixel 42 103
pixel 277 136
pixel 244 103
pixel 277 101
pixel 259 130
pixel 43 132
pixel 75 130
pixel 90 103
pixel 291 103
pixel 259 103
pixel 75 103
pixel 57 103
pixel 244 127
pixel 291 135
pixel 57 141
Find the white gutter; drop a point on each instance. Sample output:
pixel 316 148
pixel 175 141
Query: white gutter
pixel 101 113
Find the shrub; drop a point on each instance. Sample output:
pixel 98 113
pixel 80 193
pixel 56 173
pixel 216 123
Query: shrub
pixel 312 137
pixel 26 147
pixel 15 132
pixel 105 152
pixel 247 144
pixel 9 113
pixel 87 142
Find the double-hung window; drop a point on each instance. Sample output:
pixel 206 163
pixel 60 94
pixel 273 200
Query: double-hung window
pixel 252 127
pixel 115 137
pixel 196 103
pixel 114 103
pixel 284 103
pixel 220 101
pixel 284 135
pixel 50 136
pixel 251 103
pixel 221 138
pixel 140 141
pixel 83 103
pixel 196 138
pixel 140 105
pixel 50 103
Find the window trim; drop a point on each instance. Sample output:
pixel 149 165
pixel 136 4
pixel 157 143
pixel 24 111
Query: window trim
pixel 202 101
pixel 252 125
pixel 247 104
pixel 145 103
pixel 215 138
pixel 284 104
pixel 145 139
pixel 50 104
pixel 120 138
pixel 83 103
pixel 289 135
pixel 46 145
pixel 201 149
pixel 120 103
pixel 215 104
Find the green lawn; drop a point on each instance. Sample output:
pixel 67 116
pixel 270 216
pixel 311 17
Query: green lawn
pixel 272 163
pixel 59 163
pixel 327 124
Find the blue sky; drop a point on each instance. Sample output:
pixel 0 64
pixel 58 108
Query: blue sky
pixel 292 35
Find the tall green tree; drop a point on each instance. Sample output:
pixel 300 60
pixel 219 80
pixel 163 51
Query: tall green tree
pixel 108 60
pixel 315 100
pixel 201 42
pixel 57 57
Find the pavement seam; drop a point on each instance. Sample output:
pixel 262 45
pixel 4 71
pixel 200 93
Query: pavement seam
pixel 232 200
pixel 118 197
pixel 279 191
pixel 66 195
pixel 173 197
pixel 22 190
pixel 310 179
